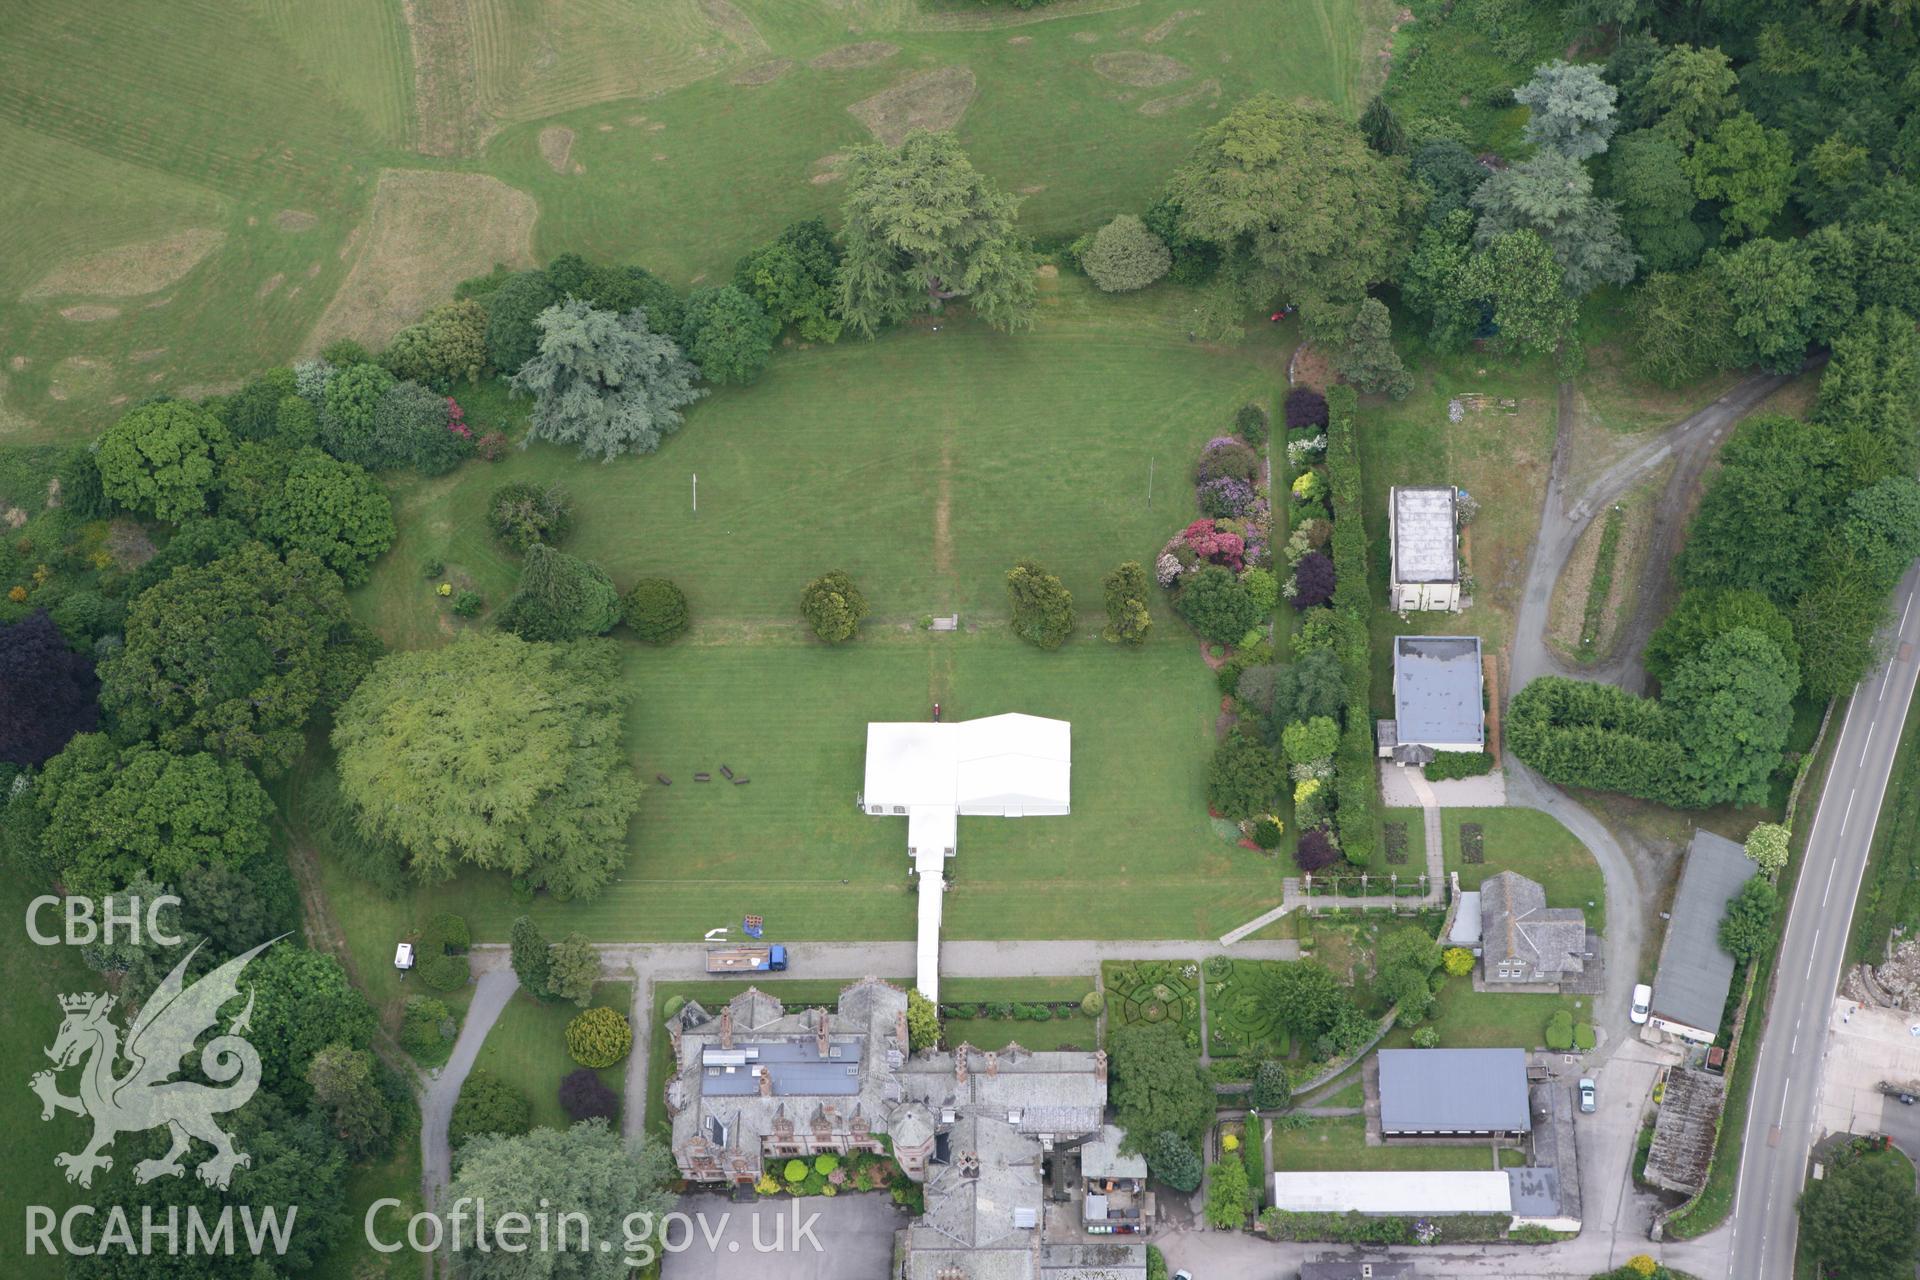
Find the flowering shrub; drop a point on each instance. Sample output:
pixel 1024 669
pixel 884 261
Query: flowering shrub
pixel 1225 456
pixel 457 420
pixel 1309 486
pixel 1209 543
pixel 1307 449
pixel 1224 496
pixel 492 446
pixel 1166 570
pixel 1305 791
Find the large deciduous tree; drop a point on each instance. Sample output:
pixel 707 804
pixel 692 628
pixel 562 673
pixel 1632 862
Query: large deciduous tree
pixel 1748 168
pixel 332 509
pixel 161 459
pixel 495 752
pixel 233 657
pixel 1706 612
pixel 1572 108
pixel 922 226
pixel 303 1001
pixel 1859 1222
pixel 1293 191
pixel 1656 199
pixel 48 692
pixel 1774 295
pixel 605 381
pixel 586 1168
pixel 114 815
pixel 445 346
pixel 729 334
pixel 1730 707
pixel 1156 1083
pixel 794 277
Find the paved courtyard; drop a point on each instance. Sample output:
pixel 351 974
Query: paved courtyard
pixel 1866 1046
pixel 1397 790
pixel 765 1240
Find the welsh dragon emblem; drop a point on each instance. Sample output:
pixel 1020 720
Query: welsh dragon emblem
pixel 146 1096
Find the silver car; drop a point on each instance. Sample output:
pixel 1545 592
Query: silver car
pixel 1589 1099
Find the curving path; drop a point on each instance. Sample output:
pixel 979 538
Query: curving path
pixel 495 987
pixel 1692 444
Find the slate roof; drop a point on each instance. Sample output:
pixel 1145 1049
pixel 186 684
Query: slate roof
pixel 1103 1260
pixel 1424 541
pixel 1683 1131
pixel 1453 1090
pixel 1358 1269
pixel 1517 925
pixel 1436 690
pixel 1101 1158
pixel 1690 987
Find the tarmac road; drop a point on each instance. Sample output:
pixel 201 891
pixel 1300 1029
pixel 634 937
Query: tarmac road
pixel 1781 1114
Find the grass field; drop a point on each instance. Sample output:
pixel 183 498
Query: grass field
pixel 527 1049
pixel 925 465
pixel 37 977
pixel 672 132
pixel 1499 454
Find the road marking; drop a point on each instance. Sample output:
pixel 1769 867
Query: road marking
pixel 1783 1098
pixel 1904 612
pixel 1845 817
pixel 1830 870
pixel 1866 744
pixel 1811 950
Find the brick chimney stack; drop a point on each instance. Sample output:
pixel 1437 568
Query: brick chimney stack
pixel 960 1062
pixel 900 1031
pixel 820 1030
pixel 993 1064
pixel 726 1027
pixel 766 1082
pixel 1099 1064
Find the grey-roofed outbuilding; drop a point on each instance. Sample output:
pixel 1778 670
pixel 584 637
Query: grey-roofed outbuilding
pixel 1453 1091
pixel 1437 701
pixel 1690 987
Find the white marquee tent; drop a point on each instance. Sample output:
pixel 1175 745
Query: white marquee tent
pixel 1006 766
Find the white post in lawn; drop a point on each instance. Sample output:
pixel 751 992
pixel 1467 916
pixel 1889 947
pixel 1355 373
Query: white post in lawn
pixel 696 493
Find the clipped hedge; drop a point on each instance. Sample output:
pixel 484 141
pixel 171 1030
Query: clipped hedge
pixel 1356 791
pixel 1576 733
pixel 1458 764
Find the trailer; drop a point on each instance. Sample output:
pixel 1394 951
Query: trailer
pixel 765 959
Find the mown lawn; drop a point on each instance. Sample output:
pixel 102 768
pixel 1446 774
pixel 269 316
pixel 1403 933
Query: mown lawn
pixel 1340 1144
pixel 925 465
pixel 1469 1019
pixel 1539 848
pixel 527 1048
pixel 37 977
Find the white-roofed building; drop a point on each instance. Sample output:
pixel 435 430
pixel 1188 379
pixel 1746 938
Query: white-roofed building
pixel 932 773
pixel 1424 573
pixel 1394 1193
